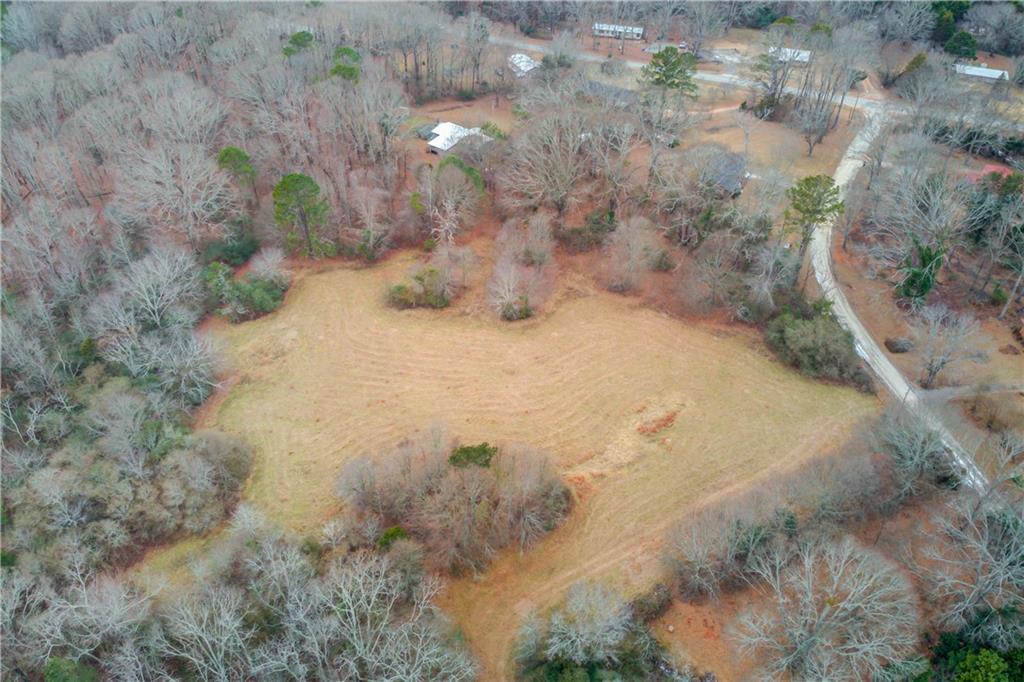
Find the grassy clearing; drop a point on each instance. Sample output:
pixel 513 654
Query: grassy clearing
pixel 335 373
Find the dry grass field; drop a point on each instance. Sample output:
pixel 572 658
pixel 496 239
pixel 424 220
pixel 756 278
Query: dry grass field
pixel 646 416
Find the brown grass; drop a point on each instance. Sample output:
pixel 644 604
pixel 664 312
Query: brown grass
pixel 335 373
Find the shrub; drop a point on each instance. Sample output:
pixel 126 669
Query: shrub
pixel 390 536
pixel 479 455
pixel 217 277
pixel 651 604
pixel 428 289
pixel 259 293
pixel 519 309
pixel 371 244
pixel 915 64
pixel 998 297
pixel 465 95
pixel 599 224
pixel 234 249
pixel 494 131
pixel 613 67
pixel 817 345
pixel 416 203
pixel 67 670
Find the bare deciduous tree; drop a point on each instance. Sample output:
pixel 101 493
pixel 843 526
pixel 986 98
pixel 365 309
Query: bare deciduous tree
pixel 703 21
pixel 590 626
pixel 975 573
pixel 546 162
pixel 916 452
pixel 181 189
pixel 632 249
pixel 944 338
pixel 906 22
pixel 835 611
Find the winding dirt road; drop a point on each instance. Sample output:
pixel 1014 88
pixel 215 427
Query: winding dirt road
pixel 867 347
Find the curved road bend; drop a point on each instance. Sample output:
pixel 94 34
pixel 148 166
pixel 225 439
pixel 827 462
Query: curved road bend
pixel 867 347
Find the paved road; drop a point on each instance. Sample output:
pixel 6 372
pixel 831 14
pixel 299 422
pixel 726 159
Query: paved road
pixel 821 258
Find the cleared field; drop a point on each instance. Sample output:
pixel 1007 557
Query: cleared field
pixel 645 414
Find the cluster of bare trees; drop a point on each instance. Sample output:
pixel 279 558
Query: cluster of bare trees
pixel 262 608
pixel 525 268
pixel 594 629
pixel 833 610
pixel 462 514
pixel 112 187
pixel 927 215
pixel 812 92
pixel 830 607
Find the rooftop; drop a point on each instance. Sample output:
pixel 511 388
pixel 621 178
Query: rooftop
pixel 447 134
pixel 982 72
pixel 522 64
pixel 789 54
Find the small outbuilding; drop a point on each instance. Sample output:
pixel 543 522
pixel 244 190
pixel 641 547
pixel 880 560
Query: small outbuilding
pixel 981 72
pixel 446 135
pixel 618 31
pixel 728 171
pixel 522 64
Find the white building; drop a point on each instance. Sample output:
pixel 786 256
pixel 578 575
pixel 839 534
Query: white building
pixel 982 72
pixel 446 135
pixel 618 31
pixel 522 64
pixel 788 54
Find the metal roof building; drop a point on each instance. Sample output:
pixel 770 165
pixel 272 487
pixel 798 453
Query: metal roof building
pixel 982 72
pixel 788 54
pixel 522 64
pixel 619 31
pixel 446 135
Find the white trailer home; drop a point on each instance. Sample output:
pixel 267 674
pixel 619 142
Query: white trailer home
pixel 618 31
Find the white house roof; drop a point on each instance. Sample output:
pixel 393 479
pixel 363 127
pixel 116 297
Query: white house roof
pixel 522 64
pixel 447 135
pixel 982 72
pixel 618 28
pixel 788 54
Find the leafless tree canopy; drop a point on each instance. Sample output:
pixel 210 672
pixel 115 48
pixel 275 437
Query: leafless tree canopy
pixel 834 611
pixel 975 569
pixel 462 514
pixel 945 338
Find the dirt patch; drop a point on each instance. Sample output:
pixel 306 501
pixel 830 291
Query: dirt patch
pixel 656 425
pixel 694 635
pixel 876 305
